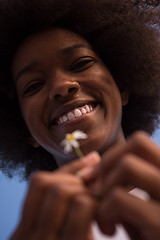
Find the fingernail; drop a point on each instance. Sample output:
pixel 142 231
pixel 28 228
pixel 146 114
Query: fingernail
pixel 92 158
pixel 85 172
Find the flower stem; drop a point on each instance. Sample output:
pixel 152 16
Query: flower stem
pixel 79 152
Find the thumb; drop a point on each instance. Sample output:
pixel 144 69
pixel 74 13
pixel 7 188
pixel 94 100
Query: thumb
pixel 78 166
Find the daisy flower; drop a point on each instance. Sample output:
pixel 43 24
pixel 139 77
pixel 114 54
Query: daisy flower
pixel 70 142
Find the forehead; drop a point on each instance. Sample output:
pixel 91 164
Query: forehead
pixel 49 40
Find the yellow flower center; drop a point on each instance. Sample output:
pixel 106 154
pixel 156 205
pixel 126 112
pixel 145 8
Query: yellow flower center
pixel 71 137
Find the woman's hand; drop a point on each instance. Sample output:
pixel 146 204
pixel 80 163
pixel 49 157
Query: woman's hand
pixel 135 163
pixel 58 206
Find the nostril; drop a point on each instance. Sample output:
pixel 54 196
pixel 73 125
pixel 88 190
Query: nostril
pixel 72 90
pixel 57 96
pixel 63 92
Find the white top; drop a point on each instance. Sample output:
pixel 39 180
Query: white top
pixel 120 233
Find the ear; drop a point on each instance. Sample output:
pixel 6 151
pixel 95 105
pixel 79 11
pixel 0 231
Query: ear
pixel 33 142
pixel 125 98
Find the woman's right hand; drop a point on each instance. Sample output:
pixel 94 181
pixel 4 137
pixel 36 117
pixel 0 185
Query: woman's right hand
pixel 58 206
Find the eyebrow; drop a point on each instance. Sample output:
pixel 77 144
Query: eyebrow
pixel 66 50
pixel 71 48
pixel 26 69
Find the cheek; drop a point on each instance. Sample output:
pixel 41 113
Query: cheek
pixel 100 79
pixel 115 107
pixel 31 113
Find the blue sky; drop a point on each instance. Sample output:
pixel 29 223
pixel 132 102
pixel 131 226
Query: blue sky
pixel 12 194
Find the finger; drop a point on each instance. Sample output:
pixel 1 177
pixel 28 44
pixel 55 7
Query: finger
pixel 40 184
pixel 74 167
pixel 139 144
pixel 120 206
pixel 134 171
pixel 55 208
pixel 134 234
pixel 78 222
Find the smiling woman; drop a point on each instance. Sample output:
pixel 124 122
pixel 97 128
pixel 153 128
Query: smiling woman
pixel 65 79
pixel 92 66
pixel 113 39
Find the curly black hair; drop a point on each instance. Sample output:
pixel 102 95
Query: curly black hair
pixel 125 34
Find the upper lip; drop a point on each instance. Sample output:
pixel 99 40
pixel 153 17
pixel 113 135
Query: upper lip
pixel 68 107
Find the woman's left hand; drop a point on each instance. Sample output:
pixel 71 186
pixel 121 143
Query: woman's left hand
pixel 58 206
pixel 134 164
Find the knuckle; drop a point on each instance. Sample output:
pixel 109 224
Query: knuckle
pixel 85 207
pixel 84 202
pixel 58 190
pixel 63 191
pixel 126 163
pixel 81 200
pixel 116 196
pixel 137 139
pixel 38 181
pixel 37 178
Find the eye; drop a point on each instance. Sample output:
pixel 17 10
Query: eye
pixel 33 87
pixel 82 64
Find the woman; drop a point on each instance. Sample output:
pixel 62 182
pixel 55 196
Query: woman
pixel 91 66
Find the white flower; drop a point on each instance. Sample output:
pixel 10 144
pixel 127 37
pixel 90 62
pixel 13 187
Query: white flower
pixel 71 142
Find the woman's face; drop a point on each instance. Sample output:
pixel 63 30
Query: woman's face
pixel 63 86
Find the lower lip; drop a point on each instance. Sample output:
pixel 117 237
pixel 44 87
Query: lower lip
pixel 79 119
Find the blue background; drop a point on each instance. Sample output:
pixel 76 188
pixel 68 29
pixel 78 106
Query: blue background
pixel 12 194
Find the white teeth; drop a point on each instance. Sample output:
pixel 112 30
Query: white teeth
pixel 91 108
pixel 87 108
pixel 70 116
pixel 83 110
pixel 60 120
pixel 77 113
pixel 65 118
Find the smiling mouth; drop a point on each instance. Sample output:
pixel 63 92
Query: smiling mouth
pixel 76 113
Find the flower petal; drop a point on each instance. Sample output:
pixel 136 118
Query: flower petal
pixel 75 144
pixel 68 148
pixel 64 142
pixel 70 140
pixel 79 134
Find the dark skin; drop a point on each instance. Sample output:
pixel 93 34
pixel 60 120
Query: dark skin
pixel 63 195
pixel 63 74
pixel 131 164
pixel 134 163
pixel 63 204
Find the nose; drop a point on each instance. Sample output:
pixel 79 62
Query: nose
pixel 62 89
